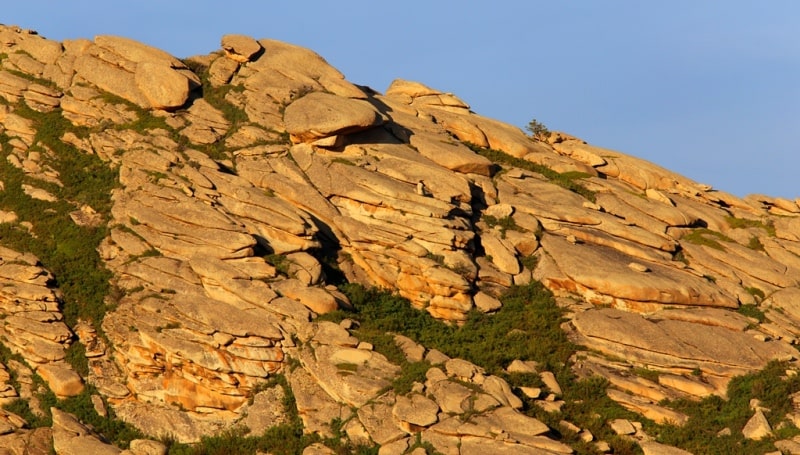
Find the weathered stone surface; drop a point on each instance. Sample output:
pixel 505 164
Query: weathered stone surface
pixel 61 379
pixel 451 155
pixel 318 115
pixel 240 48
pixel 414 352
pixel 147 447
pixel 316 299
pixel 757 427
pixel 415 411
pixel 615 283
pixel 654 448
pixel 486 303
pixel 654 412
pixel 161 86
pixel 70 437
pixel 676 344
pixel 622 426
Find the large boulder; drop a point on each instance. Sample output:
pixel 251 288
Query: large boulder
pixel 319 115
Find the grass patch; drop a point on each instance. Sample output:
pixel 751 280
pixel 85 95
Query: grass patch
pixel 437 258
pixel 755 244
pixel 527 327
pixel 646 373
pixel 752 311
pixel 410 373
pixel 707 237
pixel 744 223
pixel 505 223
pixel 567 180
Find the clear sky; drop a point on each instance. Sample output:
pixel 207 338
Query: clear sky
pixel 709 89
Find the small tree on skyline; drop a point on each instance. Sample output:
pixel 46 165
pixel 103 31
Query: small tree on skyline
pixel 538 130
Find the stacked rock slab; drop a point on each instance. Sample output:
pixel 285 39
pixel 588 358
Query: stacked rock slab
pixel 33 325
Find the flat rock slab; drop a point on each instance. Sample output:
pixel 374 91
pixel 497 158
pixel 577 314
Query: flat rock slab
pixel 670 343
pixel 663 284
pixel 415 410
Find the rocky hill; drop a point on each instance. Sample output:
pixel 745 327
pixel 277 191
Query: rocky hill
pixel 244 252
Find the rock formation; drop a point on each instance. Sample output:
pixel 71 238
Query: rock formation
pixel 243 185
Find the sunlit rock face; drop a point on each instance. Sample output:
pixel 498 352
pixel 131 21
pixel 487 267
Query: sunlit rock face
pixel 184 223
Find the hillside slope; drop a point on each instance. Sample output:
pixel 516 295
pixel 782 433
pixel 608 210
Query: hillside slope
pixel 194 248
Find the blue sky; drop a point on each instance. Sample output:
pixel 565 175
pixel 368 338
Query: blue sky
pixel 709 89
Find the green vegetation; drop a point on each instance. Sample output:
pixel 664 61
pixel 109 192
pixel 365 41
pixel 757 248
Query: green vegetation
pixel 755 292
pixel 410 373
pixel 69 251
pixel 713 414
pixel 527 327
pixel 529 262
pixel 567 180
pixel 76 357
pixel 110 427
pixel 752 311
pixel 437 258
pixel 755 244
pixel 744 223
pixel 680 256
pixel 707 237
pixel 492 342
pixel 145 120
pixel 280 262
pixel 538 130
pixel 506 223
pixel 646 373
pixel 218 97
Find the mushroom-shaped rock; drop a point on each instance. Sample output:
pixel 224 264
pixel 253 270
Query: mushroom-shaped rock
pixel 240 48
pixel 319 115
